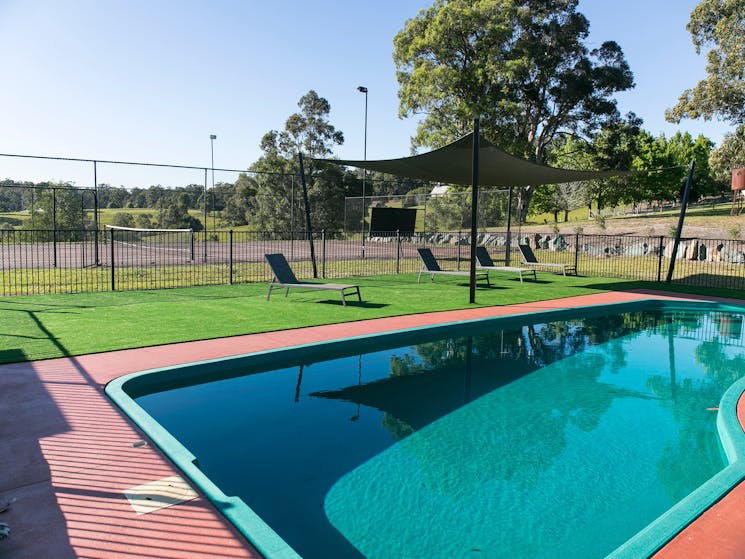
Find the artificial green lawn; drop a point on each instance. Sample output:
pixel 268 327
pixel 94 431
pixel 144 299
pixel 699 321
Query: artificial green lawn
pixel 47 326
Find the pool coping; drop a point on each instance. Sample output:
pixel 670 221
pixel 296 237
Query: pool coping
pixel 51 511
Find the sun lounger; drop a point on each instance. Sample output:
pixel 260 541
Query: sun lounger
pixel 484 262
pixel 285 278
pixel 430 266
pixel 531 261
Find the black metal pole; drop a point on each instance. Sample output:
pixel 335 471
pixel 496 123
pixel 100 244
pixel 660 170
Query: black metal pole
pixel 292 217
pixel 111 259
pixel 508 253
pixel 659 258
pixel 364 178
pixel 204 233
pixel 398 251
pixel 323 253
pixel 308 227
pixel 95 215
pixel 230 237
pixel 54 224
pixel 474 209
pixel 679 230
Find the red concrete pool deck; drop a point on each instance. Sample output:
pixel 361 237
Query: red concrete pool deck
pixel 67 453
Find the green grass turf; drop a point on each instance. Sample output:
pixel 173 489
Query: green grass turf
pixel 48 326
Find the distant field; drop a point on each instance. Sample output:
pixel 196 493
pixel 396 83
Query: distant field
pixel 13 219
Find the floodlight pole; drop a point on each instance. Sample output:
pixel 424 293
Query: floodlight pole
pixel 681 218
pixel 363 89
pixel 474 209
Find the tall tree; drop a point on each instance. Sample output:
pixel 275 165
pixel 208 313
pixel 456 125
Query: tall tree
pixel 240 204
pixel 614 147
pixel 309 132
pixel 717 25
pixel 673 154
pixel 522 65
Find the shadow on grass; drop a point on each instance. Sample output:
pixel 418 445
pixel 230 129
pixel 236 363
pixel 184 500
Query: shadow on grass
pixel 356 304
pixel 12 355
pixel 24 303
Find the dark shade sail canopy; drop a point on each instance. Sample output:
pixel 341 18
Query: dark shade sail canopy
pixel 452 164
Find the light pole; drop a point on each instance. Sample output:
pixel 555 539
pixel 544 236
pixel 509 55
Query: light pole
pixel 213 137
pixel 363 89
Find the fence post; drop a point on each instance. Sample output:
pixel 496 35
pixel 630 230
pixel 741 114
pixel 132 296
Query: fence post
pixel 576 253
pixel 457 267
pixel 323 253
pixel 111 259
pixel 230 253
pixel 659 258
pixel 204 233
pixel 54 225
pixel 191 252
pixel 398 250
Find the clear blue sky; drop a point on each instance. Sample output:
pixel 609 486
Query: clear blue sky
pixel 150 80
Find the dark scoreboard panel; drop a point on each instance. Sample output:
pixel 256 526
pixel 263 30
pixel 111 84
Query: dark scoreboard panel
pixel 390 220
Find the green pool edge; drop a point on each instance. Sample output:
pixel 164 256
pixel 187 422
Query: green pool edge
pixel 644 544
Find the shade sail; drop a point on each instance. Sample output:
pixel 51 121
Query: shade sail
pixel 452 164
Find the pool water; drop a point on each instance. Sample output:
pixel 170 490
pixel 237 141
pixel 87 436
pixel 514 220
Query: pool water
pixel 547 439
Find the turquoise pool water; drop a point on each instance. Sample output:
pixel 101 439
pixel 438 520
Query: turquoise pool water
pixel 538 438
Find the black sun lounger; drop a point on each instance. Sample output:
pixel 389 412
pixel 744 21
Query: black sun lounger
pixel 484 262
pixel 430 266
pixel 531 261
pixel 285 278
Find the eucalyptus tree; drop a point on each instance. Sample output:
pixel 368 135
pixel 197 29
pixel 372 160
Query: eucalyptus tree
pixel 615 146
pixel 523 66
pixel 308 132
pixel 718 27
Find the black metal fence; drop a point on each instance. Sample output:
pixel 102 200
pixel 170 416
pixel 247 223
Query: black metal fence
pixel 46 261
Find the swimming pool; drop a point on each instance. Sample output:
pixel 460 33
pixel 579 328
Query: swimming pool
pixel 484 439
